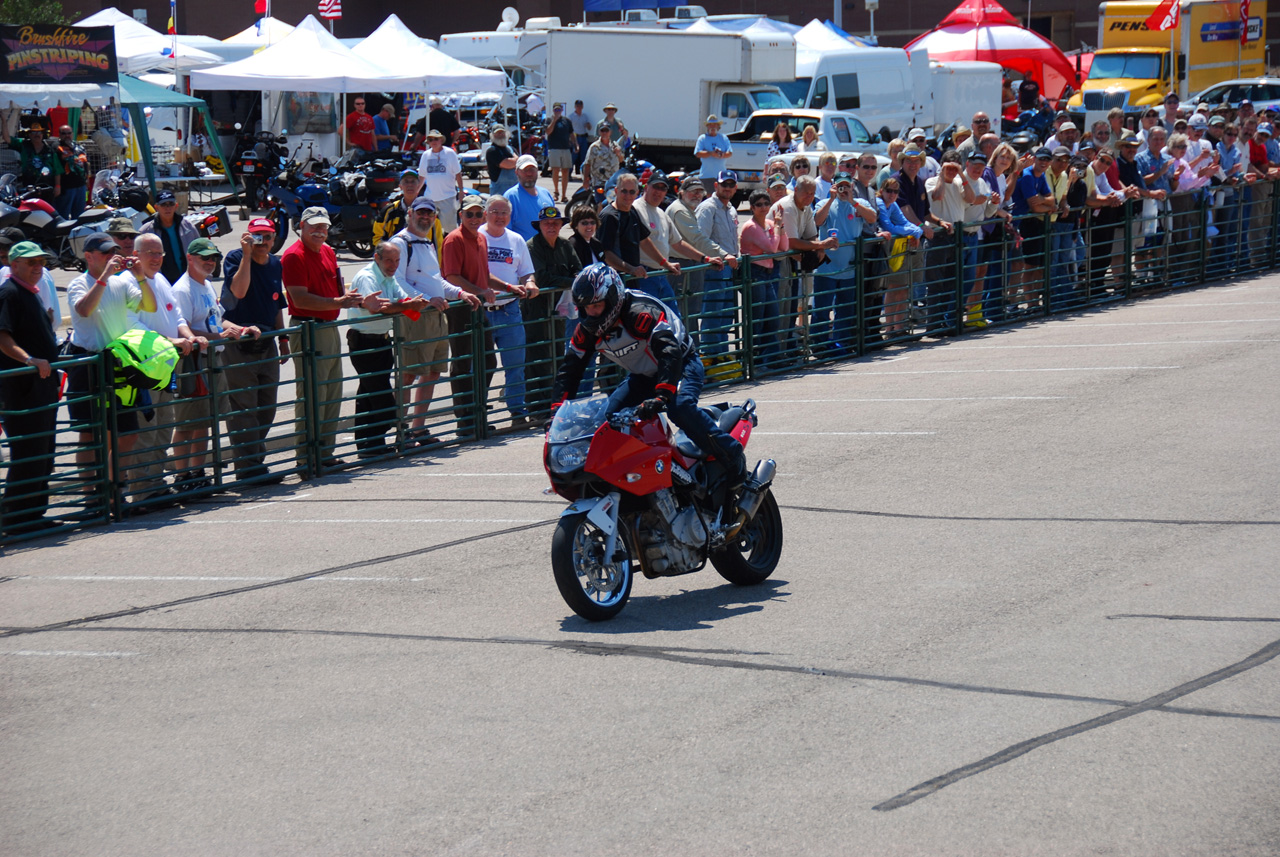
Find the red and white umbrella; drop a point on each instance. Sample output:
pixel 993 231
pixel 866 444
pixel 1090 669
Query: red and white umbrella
pixel 984 30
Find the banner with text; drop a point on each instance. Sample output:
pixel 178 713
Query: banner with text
pixel 51 54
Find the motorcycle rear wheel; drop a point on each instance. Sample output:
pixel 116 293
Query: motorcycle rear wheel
pixel 361 249
pixel 591 589
pixel 754 554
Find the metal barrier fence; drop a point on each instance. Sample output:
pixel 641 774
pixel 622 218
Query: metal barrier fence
pixel 229 421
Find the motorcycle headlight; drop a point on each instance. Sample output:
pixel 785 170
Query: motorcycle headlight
pixel 569 457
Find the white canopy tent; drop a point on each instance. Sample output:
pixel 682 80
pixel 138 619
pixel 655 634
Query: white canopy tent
pixel 140 48
pixel 267 31
pixel 394 43
pixel 309 59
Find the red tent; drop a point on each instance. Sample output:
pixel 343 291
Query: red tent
pixel 984 30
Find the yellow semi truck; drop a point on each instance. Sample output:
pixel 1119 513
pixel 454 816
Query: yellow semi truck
pixel 1135 66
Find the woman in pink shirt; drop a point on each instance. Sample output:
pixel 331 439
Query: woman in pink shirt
pixel 763 236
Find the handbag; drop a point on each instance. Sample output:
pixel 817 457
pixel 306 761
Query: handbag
pixel 811 260
pixel 898 253
pixel 191 383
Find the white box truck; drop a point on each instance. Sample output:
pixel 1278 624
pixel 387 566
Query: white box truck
pixel 666 82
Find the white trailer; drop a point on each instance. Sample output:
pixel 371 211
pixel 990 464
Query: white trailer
pixel 666 82
pixel 961 89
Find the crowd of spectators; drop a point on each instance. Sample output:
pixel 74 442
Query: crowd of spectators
pixel 447 263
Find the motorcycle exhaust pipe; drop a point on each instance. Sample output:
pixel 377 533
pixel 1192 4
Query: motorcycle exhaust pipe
pixel 753 496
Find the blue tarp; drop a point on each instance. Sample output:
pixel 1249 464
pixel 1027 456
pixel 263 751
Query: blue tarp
pixel 857 40
pixel 617 5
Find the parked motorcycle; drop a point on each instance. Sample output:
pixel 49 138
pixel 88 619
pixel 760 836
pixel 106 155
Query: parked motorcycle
pixel 41 223
pixel 257 157
pixel 643 498
pixel 599 196
pixel 345 198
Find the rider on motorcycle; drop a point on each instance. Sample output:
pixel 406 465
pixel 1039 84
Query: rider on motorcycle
pixel 645 337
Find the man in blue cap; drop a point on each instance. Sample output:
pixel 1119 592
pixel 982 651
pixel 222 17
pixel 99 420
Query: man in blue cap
pixel 176 234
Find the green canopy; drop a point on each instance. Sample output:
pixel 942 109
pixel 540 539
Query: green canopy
pixel 136 94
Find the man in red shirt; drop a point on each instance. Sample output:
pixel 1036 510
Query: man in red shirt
pixel 314 290
pixel 465 264
pixel 360 128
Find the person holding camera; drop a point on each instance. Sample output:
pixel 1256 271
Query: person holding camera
pixel 253 298
pixel 104 306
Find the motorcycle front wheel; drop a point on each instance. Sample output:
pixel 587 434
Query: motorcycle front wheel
pixel 592 589
pixel 754 554
pixel 282 229
pixel 361 249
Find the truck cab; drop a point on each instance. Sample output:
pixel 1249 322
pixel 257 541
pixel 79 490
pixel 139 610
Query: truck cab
pixel 1135 65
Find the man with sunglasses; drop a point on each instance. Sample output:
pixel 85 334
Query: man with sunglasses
pixel 75 170
pixel 981 124
pixel 718 219
pixel 624 233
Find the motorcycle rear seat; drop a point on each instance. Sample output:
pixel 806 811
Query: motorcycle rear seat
pixel 729 418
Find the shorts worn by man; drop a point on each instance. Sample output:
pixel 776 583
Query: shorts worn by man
pixel 644 337
pixel 315 293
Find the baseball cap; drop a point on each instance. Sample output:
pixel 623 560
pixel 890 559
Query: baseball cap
pixel 912 152
pixel 100 242
pixel 659 177
pixel 1067 126
pixel 316 214
pixel 422 202
pixel 122 226
pixel 548 213
pixel 842 178
pixel 261 224
pixel 203 247
pixel 1265 128
pixel 727 176
pixel 1172 96
pixel 526 161
pixel 604 128
pixel 28 250
pixel 1198 120
pixel 1244 101
pixel 915 132
pixel 713 119
pixel 409 172
pixel 557 106
pixel 435 132
pixel 1060 152
pixel 472 201
pixel 11 235
pixel 975 155
pixel 1043 152
pixel 1218 120
pixel 777 180
pixel 165 196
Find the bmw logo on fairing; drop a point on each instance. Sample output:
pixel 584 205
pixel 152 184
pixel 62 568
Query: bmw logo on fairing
pixel 659 466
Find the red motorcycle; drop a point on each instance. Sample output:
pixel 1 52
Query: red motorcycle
pixel 466 138
pixel 645 498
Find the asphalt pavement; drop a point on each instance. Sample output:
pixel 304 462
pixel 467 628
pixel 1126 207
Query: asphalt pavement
pixel 1028 605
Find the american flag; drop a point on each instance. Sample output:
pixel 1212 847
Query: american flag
pixel 330 8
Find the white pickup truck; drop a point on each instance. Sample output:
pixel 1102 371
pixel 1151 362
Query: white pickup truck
pixel 839 131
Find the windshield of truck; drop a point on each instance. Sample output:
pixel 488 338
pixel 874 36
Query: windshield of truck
pixel 767 99
pixel 796 92
pixel 1129 66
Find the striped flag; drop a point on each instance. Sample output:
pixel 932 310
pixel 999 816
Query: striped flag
pixel 1244 21
pixel 1166 15
pixel 330 8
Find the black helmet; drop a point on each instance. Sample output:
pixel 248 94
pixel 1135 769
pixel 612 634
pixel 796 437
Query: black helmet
pixel 598 282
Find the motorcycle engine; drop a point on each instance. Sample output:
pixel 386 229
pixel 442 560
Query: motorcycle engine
pixel 673 538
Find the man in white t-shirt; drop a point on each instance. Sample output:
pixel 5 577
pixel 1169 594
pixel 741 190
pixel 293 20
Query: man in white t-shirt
pixel 510 262
pixel 198 302
pixel 442 179
pixel 666 240
pixel 426 339
pixel 155 422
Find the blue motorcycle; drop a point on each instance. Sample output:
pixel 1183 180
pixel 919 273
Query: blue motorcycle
pixel 344 196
